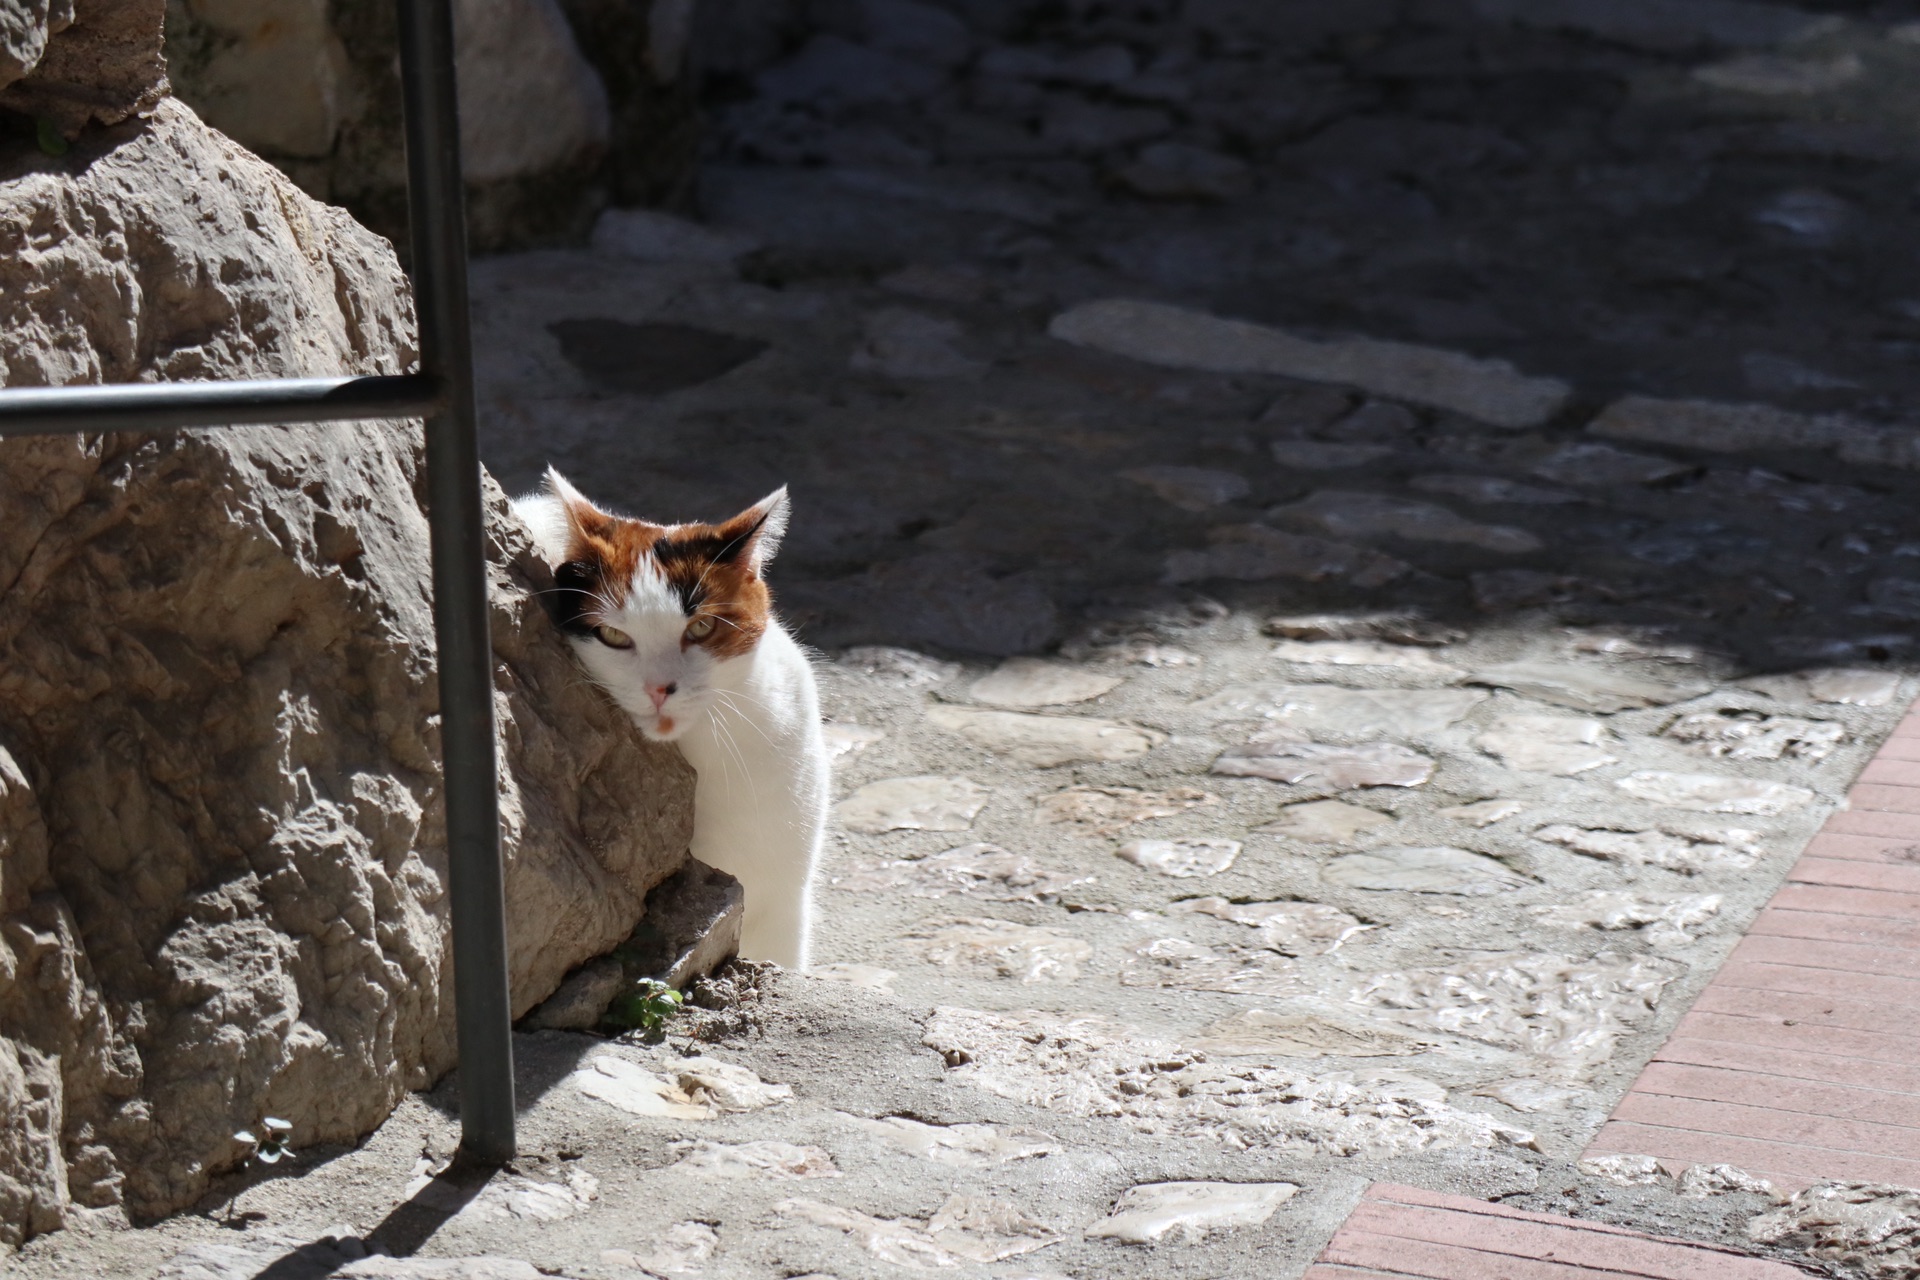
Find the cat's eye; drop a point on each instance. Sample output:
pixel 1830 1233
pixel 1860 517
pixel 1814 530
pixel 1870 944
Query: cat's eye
pixel 613 637
pixel 700 628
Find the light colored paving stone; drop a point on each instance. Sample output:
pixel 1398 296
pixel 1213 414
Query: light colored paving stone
pixel 753 1160
pixel 984 871
pixel 1701 1181
pixel 636 1090
pixel 1343 513
pixel 727 1087
pixel 1259 1033
pixel 966 1145
pixel 1715 793
pixel 1025 953
pixel 1331 711
pixel 866 976
pixel 1189 1211
pixel 1601 465
pixel 1328 822
pixel 1291 928
pixel 1493 489
pixel 1093 1066
pixel 975 1229
pixel 904 666
pixel 383 1268
pixel 684 1248
pixel 1179 171
pixel 1735 849
pixel 1483 813
pixel 699 1089
pixel 1587 687
pixel 1664 920
pixel 1191 488
pixel 1528 1095
pixel 1260 553
pixel 1424 869
pixel 1749 736
pixel 1738 428
pixel 1044 741
pixel 1182 857
pixel 1282 756
pixel 849 739
pixel 648 235
pixel 897 342
pixel 1838 686
pixel 912 804
pixel 1364 653
pixel 1031 682
pixel 1180 964
pixel 1490 390
pixel 242 1260
pixel 510 1196
pixel 1559 745
pixel 1326 455
pixel 1105 810
pixel 1568 1013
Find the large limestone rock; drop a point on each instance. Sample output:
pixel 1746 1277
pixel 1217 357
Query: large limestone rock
pixel 222 872
pixel 564 104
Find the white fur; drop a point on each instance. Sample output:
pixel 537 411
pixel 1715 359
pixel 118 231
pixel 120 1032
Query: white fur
pixel 749 726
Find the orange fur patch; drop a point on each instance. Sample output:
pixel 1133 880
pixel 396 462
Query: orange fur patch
pixel 709 567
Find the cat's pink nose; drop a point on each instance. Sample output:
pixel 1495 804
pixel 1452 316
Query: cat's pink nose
pixel 660 693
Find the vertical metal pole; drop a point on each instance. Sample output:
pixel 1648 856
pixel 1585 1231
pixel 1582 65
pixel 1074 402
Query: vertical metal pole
pixel 438 222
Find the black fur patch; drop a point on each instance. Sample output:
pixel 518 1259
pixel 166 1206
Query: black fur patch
pixel 683 559
pixel 575 588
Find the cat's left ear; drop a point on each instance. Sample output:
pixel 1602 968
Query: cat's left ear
pixel 755 533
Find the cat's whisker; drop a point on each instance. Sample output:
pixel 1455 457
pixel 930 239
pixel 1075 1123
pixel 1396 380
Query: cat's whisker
pixel 727 697
pixel 746 772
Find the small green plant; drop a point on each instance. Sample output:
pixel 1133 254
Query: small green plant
pixel 272 1146
pixel 646 1007
pixel 49 138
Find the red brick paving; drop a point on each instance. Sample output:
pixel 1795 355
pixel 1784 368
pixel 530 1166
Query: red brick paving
pixel 1404 1233
pixel 1801 1059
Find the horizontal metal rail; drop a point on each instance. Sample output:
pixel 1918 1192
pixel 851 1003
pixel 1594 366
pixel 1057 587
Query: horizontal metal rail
pixel 179 406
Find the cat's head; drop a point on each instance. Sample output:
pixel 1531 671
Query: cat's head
pixel 656 610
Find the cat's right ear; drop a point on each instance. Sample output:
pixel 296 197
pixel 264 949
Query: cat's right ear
pixel 583 518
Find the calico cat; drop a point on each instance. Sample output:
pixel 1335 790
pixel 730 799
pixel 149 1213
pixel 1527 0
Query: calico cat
pixel 674 622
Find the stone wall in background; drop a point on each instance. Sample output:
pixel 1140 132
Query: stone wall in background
pixel 222 857
pixel 566 105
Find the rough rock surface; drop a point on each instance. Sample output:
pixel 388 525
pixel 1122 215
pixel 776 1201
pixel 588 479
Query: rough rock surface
pixel 74 62
pixel 221 862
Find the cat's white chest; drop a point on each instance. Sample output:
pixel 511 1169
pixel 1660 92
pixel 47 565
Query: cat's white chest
pixel 761 800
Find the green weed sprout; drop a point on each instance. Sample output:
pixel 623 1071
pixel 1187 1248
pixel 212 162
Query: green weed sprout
pixel 49 138
pixel 646 1006
pixel 271 1148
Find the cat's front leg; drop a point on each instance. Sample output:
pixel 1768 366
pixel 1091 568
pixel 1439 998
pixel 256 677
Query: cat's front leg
pixel 779 926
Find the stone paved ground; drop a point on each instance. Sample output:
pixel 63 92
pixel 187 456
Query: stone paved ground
pixel 1329 748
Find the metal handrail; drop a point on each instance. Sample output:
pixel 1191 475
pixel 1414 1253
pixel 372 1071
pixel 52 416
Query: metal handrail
pixel 442 392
